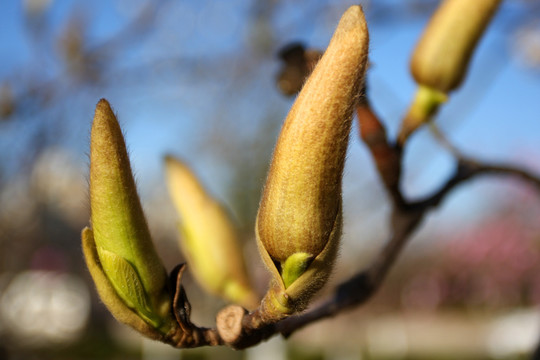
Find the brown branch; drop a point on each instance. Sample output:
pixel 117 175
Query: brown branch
pixel 187 334
pixel 468 169
pixel 486 169
pixel 405 219
pixel 406 215
pixel 240 329
pixel 387 158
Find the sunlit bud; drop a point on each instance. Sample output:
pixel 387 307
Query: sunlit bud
pixel 127 261
pixel 299 220
pixel 442 56
pixel 209 238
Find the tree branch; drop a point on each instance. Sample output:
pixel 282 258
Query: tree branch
pixel 406 217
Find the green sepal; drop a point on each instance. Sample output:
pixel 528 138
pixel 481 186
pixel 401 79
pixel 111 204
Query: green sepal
pixel 319 270
pixel 280 301
pixel 294 266
pixel 109 296
pixel 128 285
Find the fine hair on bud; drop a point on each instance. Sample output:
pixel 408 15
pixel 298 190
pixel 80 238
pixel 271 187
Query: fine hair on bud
pixel 299 219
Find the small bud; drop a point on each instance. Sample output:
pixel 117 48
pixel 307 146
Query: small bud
pixel 442 56
pixel 299 220
pixel 126 258
pixel 209 238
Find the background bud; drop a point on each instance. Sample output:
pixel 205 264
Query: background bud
pixel 209 239
pixel 300 211
pixel 442 55
pixel 441 58
pixel 120 233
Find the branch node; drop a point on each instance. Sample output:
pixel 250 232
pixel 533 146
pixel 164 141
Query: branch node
pixel 229 323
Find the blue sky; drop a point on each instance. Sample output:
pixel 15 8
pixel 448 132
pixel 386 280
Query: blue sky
pixel 494 116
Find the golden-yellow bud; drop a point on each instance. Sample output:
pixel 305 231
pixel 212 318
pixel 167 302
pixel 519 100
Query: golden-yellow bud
pixel 120 235
pixel 442 56
pixel 300 211
pixel 443 53
pixel 209 238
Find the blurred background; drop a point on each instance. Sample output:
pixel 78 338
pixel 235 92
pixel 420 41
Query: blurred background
pixel 197 79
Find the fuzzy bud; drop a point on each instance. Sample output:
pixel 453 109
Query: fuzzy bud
pixel 128 273
pixel 299 219
pixel 442 56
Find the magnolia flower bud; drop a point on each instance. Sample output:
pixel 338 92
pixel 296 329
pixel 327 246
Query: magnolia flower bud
pixel 442 56
pixel 299 220
pixel 209 238
pixel 129 275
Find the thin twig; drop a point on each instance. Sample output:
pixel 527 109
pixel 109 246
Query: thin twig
pixel 441 138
